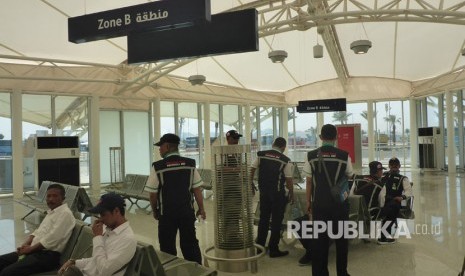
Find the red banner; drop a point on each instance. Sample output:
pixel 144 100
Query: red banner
pixel 345 140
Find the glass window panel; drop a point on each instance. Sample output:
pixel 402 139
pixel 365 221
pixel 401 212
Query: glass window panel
pixel 36 114
pixel 137 147
pixel 71 120
pixel 432 111
pixel 6 181
pixel 358 115
pixel 266 127
pixel 109 137
pixel 188 124
pixel 390 126
pixel 230 120
pixel 306 135
pixel 167 117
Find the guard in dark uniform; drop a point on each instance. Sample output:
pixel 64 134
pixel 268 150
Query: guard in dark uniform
pixel 171 183
pixel 396 188
pixel 320 204
pixel 369 186
pixel 274 170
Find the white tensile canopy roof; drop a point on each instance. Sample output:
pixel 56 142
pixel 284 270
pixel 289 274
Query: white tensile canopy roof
pixel 416 51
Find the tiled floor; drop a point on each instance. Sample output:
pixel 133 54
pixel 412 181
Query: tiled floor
pixel 438 201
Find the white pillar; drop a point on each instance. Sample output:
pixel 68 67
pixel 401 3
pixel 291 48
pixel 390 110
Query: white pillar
pixel 156 120
pixel 371 132
pixel 17 145
pixel 451 164
pixel 247 125
pixel 94 139
pixel 206 127
pixel 284 125
pixel 320 121
pixel 413 134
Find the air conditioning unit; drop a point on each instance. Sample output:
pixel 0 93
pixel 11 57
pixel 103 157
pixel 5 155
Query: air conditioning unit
pixel 56 158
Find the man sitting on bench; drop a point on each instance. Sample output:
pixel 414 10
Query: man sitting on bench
pixel 113 248
pixel 370 187
pixel 42 249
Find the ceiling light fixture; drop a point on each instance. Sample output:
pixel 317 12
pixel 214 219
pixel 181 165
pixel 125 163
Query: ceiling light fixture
pixel 277 56
pixel 197 79
pixel 360 46
pixel 318 51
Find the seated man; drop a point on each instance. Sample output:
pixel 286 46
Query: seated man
pixel 396 188
pixel 370 187
pixel 41 251
pixel 113 248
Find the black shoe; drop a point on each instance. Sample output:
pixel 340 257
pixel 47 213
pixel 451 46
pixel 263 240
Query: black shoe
pixel 278 253
pixel 306 259
pixel 384 241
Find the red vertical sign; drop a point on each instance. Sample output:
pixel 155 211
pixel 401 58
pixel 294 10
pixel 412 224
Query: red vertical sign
pixel 345 140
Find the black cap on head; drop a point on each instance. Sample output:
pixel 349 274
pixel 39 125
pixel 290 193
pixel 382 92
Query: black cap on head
pixel 375 166
pixel 328 132
pixel 234 134
pixel 168 138
pixel 394 161
pixel 279 142
pixel 108 202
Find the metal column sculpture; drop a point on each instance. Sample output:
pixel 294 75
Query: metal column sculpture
pixel 234 245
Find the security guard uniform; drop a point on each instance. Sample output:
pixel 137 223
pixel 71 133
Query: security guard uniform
pixel 393 187
pixel 273 168
pixel 325 208
pixel 173 179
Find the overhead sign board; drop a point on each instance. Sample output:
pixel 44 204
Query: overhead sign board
pixel 232 32
pixel 316 106
pixel 159 15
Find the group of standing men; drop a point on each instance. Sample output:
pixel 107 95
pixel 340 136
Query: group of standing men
pixel 173 184
pixel 273 172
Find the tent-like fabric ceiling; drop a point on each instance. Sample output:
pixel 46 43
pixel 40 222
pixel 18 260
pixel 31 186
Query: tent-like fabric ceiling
pixel 416 51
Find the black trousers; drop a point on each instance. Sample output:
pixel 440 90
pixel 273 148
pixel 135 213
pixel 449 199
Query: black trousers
pixel 390 212
pixel 271 205
pixel 41 261
pixel 168 226
pixel 320 244
pixel 306 243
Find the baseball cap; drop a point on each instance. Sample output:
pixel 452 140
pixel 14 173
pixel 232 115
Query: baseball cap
pixel 394 161
pixel 168 138
pixel 328 132
pixel 108 202
pixel 234 134
pixel 375 166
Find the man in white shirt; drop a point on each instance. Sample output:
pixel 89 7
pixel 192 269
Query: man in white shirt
pixel 113 247
pixel 42 249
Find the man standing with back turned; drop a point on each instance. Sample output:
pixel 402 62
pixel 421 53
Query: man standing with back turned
pixel 320 204
pixel 274 170
pixel 171 183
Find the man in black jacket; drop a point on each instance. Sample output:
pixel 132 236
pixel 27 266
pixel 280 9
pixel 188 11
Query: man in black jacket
pixel 397 188
pixel 171 183
pixel 274 170
pixel 321 206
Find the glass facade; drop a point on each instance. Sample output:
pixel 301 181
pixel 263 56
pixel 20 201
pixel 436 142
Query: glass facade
pixel 68 115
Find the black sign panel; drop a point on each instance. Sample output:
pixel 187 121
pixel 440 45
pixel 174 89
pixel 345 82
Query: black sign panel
pixel 150 16
pixel 231 32
pixel 316 106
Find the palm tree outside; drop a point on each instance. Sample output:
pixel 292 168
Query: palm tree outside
pixel 393 120
pixel 341 116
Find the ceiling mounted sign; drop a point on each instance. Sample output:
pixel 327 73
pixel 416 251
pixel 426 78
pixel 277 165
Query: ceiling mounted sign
pixel 328 105
pixel 159 15
pixel 227 33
